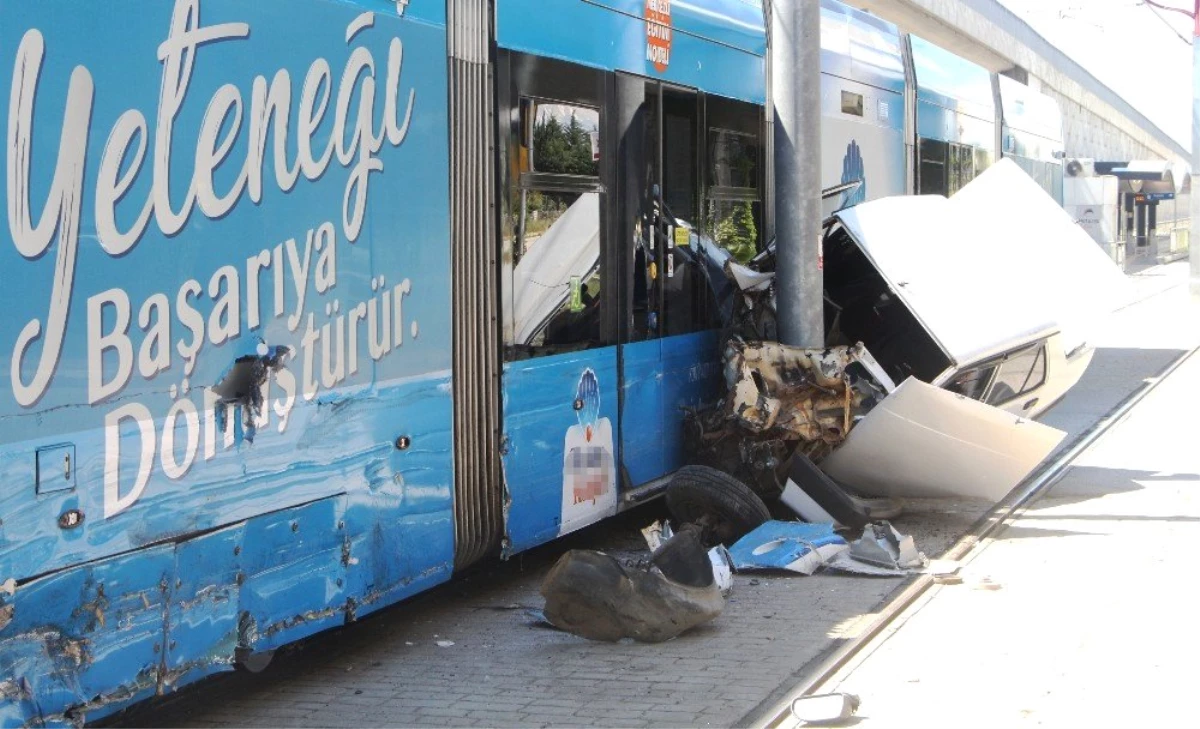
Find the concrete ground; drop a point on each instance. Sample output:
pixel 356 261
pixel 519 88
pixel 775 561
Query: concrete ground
pixel 1079 612
pixel 503 670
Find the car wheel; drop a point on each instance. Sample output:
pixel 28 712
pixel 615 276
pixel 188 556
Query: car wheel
pixel 723 505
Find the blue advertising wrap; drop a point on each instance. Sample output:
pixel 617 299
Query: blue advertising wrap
pixel 716 46
pixel 227 276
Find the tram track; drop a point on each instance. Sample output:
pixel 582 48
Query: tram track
pixel 775 712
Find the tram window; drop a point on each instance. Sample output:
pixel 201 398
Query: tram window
pixel 734 159
pixel 680 181
pixel 983 160
pixel 852 103
pixel 556 280
pixel 932 176
pixel 733 225
pixel 566 139
pixel 555 226
pixel 732 215
pixel 963 170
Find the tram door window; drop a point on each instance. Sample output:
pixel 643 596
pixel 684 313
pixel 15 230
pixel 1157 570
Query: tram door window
pixel 555 274
pixel 947 167
pixel 933 172
pixel 686 292
pixel 670 292
pixel 733 197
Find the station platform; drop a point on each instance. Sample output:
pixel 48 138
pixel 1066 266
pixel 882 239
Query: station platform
pixel 1079 611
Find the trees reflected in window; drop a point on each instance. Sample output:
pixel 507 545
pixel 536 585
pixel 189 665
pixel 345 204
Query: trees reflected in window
pixel 566 140
pixel 733 225
pixel 554 231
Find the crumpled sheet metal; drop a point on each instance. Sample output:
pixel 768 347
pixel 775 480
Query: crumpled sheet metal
pixel 795 393
pixel 788 545
pixel 595 596
pixel 881 551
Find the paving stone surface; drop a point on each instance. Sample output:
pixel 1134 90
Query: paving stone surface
pixel 505 671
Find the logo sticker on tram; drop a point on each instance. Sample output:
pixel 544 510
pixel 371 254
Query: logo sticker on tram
pixel 658 34
pixel 589 463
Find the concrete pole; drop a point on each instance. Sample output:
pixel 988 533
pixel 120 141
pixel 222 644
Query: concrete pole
pixel 796 97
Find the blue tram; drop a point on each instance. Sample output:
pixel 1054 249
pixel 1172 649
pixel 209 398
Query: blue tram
pixel 314 302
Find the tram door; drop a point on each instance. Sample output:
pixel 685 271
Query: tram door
pixel 560 384
pixel 668 341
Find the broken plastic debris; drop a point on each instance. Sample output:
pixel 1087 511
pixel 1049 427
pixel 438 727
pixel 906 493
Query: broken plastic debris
pixel 847 564
pixel 657 533
pixel 722 567
pixel 883 546
pixel 825 709
pixel 787 545
pixel 882 551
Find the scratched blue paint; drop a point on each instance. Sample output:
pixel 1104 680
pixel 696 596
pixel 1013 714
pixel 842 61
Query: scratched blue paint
pixel 73 631
pixel 718 46
pixel 205 606
pixel 261 530
pixel 662 378
pixel 641 410
pixel 692 378
pixel 538 409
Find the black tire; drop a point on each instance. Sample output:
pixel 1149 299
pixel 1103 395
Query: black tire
pixel 725 506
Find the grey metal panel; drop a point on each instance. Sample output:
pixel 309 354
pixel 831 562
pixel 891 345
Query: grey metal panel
pixel 479 519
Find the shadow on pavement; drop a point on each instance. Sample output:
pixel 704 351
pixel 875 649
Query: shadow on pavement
pixel 1013 533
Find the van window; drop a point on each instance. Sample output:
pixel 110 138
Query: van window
pixel 972 383
pixel 1020 373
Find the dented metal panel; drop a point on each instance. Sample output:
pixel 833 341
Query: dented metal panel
pixel 944 269
pixel 560 456
pixel 923 441
pixel 235 322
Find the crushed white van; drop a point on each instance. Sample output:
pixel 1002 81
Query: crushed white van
pixel 980 309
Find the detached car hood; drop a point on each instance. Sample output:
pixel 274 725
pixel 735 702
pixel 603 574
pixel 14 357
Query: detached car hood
pixel 983 271
pixel 922 441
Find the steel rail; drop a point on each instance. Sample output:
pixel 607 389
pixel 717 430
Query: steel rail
pixel 964 549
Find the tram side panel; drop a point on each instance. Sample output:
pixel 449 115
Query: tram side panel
pixel 862 105
pixel 228 421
